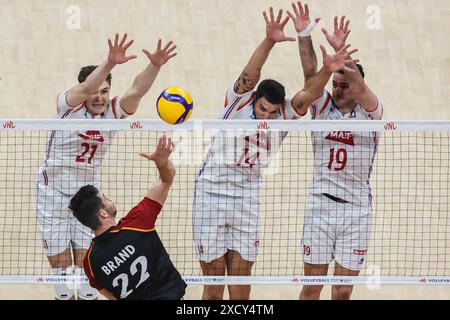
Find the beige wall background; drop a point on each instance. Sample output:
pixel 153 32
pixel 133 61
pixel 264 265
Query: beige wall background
pixel 403 45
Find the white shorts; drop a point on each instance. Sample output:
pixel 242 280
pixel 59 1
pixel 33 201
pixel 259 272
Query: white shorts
pixel 59 228
pixel 223 222
pixel 333 230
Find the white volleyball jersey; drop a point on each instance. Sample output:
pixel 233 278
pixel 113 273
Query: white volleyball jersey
pixel 343 160
pixel 238 157
pixel 73 158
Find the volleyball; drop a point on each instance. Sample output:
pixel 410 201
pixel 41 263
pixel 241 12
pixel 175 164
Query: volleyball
pixel 174 105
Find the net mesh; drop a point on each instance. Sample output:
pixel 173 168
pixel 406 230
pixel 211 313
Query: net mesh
pixel 409 181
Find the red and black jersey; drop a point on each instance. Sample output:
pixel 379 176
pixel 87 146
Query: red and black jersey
pixel 130 261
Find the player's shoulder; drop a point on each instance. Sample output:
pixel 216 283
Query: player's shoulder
pixel 114 110
pixel 238 105
pixel 363 114
pixel 73 113
pixel 320 106
pixel 242 98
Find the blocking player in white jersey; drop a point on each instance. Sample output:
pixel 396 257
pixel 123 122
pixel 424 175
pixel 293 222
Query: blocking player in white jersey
pixel 73 158
pixel 226 210
pixel 338 219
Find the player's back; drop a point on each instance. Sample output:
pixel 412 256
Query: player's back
pixel 129 259
pixel 134 265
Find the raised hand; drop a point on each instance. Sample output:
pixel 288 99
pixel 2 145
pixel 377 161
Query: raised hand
pixel 275 28
pixel 161 56
pixel 117 52
pixel 338 61
pixel 339 37
pixel 301 19
pixel 163 150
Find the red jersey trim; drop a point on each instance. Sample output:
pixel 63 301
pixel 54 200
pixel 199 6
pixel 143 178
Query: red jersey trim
pixel 379 105
pixel 124 111
pixel 65 99
pixel 327 100
pixel 113 102
pixel 245 103
pixel 91 274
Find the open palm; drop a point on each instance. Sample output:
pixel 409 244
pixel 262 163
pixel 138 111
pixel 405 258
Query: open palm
pixel 162 152
pixel 301 18
pixel 117 52
pixel 161 56
pixel 337 61
pixel 341 32
pixel 275 28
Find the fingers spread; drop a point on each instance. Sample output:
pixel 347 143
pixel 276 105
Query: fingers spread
pixel 324 52
pixel 272 18
pixel 280 14
pixel 341 26
pixel 124 38
pixel 265 17
pixel 167 45
pixel 297 14
pixel 285 21
pixel 128 44
pixel 290 15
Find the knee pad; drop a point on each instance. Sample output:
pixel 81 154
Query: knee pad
pixel 63 291
pixel 84 290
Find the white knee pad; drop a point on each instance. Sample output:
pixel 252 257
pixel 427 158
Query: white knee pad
pixel 84 290
pixel 63 291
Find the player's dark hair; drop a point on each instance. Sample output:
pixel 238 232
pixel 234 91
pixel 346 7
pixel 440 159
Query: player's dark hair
pixel 272 91
pixel 360 68
pixel 86 71
pixel 85 205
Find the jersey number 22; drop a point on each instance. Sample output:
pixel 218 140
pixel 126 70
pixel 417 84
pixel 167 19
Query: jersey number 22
pixel 123 277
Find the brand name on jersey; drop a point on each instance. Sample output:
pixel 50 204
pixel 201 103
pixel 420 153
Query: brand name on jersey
pixel 92 135
pixel 118 259
pixel 345 137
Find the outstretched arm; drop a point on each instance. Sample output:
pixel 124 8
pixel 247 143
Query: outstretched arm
pixel 315 85
pixel 304 26
pixel 117 55
pixel 341 32
pixel 144 81
pixel 159 191
pixel 252 72
pixel 366 98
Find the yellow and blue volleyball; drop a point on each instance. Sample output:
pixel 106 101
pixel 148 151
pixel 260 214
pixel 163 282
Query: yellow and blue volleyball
pixel 174 105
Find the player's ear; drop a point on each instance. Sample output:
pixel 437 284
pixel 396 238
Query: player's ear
pixel 103 213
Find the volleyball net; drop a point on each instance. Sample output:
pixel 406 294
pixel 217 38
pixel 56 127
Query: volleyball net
pixel 408 232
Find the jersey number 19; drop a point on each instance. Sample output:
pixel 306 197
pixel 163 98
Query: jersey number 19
pixel 338 159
